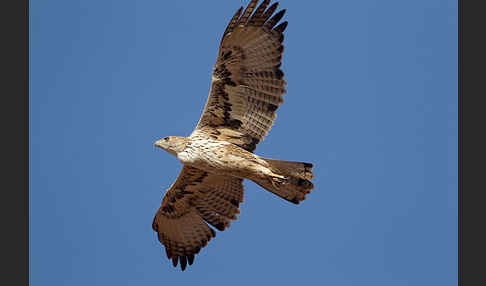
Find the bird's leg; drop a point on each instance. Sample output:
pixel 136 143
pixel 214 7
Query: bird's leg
pixel 277 180
pixel 268 174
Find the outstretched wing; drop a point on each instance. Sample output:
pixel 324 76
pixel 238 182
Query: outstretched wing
pixel 247 82
pixel 196 197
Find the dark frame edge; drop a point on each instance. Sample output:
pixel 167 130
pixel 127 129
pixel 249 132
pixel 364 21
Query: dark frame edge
pixel 14 119
pixel 459 153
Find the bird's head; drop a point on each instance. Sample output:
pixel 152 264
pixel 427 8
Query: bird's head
pixel 172 144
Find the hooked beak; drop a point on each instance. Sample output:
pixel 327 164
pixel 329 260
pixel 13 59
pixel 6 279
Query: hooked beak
pixel 158 143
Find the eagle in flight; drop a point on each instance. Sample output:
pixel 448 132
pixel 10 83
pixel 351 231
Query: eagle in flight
pixel 246 89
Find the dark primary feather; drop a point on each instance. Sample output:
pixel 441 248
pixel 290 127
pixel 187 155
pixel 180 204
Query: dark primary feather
pixel 269 12
pixel 274 20
pixel 233 22
pixel 247 12
pixel 256 17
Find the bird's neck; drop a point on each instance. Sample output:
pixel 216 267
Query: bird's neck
pixel 179 144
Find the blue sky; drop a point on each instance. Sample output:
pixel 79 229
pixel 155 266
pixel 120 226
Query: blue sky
pixel 372 102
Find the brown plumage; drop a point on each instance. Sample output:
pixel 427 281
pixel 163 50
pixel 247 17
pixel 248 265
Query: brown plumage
pixel 195 197
pixel 248 84
pixel 246 90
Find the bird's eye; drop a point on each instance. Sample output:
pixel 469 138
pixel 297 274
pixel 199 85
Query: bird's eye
pixel 166 139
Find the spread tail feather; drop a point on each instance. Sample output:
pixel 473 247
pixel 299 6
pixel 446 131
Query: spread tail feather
pixel 290 180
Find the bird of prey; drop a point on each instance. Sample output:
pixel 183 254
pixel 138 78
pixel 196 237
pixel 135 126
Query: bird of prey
pixel 246 89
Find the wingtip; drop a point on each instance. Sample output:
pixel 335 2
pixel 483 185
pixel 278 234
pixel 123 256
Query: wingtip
pixel 183 263
pixel 190 259
pixel 238 12
pixel 174 261
pixel 281 27
pixel 274 5
pixel 280 13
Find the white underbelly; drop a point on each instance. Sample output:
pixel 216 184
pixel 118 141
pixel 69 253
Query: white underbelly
pixel 213 158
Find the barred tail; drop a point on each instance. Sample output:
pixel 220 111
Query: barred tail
pixel 294 169
pixel 291 180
